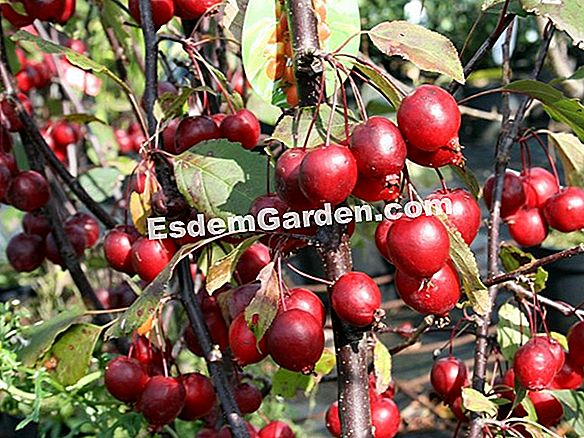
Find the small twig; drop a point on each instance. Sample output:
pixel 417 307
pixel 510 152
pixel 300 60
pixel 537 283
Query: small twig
pixel 533 266
pixel 564 308
pixel 415 336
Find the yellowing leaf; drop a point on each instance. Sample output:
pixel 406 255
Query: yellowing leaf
pixel 474 401
pixel 382 366
pixel 262 309
pixel 428 50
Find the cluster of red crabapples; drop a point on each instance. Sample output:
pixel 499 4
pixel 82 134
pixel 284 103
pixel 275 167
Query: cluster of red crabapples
pixel 385 415
pixel 541 364
pixel 533 201
pixel 141 379
pixel 56 11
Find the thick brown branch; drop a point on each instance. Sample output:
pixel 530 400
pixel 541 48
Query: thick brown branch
pixel 213 356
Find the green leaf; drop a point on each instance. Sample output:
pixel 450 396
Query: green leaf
pixel 382 366
pixel 262 309
pixel 222 270
pixel 82 119
pixel 558 106
pixel 42 336
pixel 219 178
pixel 469 179
pixel 383 83
pixel 326 364
pixel 573 412
pixel 294 130
pixel 75 58
pixel 17 5
pixel 428 50
pixel 100 183
pixel 109 14
pixel 513 258
pixel 147 303
pixel 466 263
pixel 567 16
pixel 474 401
pixel 287 383
pixel 172 105
pixel 561 339
pixel 571 152
pixel 73 352
pixel 529 408
pixel 512 330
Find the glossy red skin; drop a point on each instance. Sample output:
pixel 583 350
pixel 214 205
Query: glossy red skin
pixel 44 10
pixel 328 174
pixel 528 227
pixel 379 148
pixel 241 297
pixel 251 262
pixel 539 186
pixel 148 355
pixel 64 134
pixel 89 224
pixel 193 9
pixel 36 224
pixel 457 409
pixel 466 212
pixel 435 296
pixel 117 248
pixel 448 376
pixel 28 191
pixel 9 161
pixel 162 400
pixel 44 74
pixel 296 340
pixel 125 379
pixel 194 130
pixel 333 420
pixel 13 123
pixel 570 376
pixel 248 397
pixel 270 200
pixel 25 252
pixel 534 365
pixel 5 140
pixel 225 432
pixel 557 351
pixel 217 330
pixel 243 343
pixel 67 12
pixel 276 429
pixel 287 175
pixel 429 118
pixel 242 127
pixel 549 410
pixel 565 210
pixel 5 180
pixel 576 343
pixel 308 301
pixel 169 136
pixel 200 396
pixel 162 11
pixel 150 257
pixel 16 19
pixel 381 238
pixel 513 193
pixel 385 418
pixel 26 79
pixel 373 190
pixel 77 239
pixel 207 432
pixel 355 298
pixel 419 247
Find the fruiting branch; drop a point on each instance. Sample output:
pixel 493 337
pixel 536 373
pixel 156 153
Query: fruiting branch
pixel 506 140
pixel 36 162
pixel 186 287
